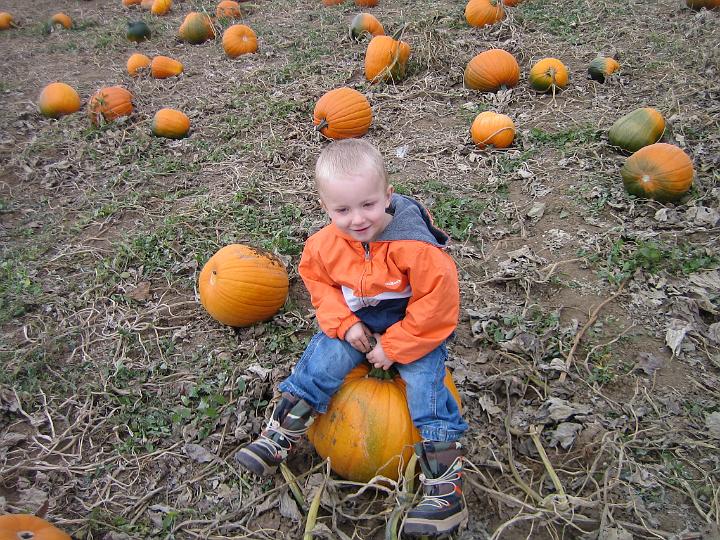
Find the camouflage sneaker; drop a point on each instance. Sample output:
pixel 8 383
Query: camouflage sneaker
pixel 442 509
pixel 290 419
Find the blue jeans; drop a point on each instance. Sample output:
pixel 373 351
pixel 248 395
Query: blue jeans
pixel 326 361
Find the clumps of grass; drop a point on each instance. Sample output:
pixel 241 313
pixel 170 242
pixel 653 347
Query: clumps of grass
pixel 456 215
pixel 624 258
pixel 561 139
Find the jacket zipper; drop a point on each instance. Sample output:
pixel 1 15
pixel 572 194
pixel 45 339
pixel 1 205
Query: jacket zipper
pixel 366 268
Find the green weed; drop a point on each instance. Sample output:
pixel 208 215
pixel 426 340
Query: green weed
pixel 570 137
pixel 456 216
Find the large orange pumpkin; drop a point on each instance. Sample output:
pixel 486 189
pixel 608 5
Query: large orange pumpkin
pixel 239 39
pixel 29 527
pixel 367 429
pixel 659 171
pixel 170 123
pixel 707 4
pixel 366 3
pixel 228 9
pixel 492 129
pixel 484 12
pixel 196 28
pixel 240 285
pixel 61 19
pixel 136 62
pixel 58 99
pixel 386 58
pixel 492 70
pixel 6 21
pixel 160 7
pixel 342 113
pixel 163 67
pixel 109 103
pixel 548 74
pixel 365 22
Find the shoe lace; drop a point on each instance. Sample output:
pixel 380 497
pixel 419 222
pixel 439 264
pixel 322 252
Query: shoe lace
pixel 450 476
pixel 291 435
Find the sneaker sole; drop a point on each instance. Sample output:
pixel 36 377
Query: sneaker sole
pixel 433 527
pixel 254 463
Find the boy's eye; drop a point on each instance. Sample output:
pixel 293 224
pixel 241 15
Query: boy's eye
pixel 341 210
pixel 369 204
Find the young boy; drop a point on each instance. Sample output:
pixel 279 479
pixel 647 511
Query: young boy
pixel 383 289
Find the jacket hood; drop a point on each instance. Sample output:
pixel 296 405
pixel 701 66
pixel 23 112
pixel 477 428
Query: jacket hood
pixel 411 221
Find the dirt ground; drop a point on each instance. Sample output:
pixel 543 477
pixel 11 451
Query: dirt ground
pixel 587 354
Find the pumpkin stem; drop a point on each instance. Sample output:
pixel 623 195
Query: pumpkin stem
pixel 398 34
pixel 322 125
pixel 382 374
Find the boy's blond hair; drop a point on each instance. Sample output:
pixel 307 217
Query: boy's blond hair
pixel 349 156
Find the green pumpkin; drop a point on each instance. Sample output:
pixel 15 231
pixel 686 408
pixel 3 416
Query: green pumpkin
pixel 637 129
pixel 138 31
pixel 601 67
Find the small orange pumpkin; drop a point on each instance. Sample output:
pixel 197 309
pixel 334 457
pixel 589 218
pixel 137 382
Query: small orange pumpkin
pixel 6 21
pixel 137 62
pixel 27 526
pixel 490 128
pixel 60 19
pixel 109 103
pixel 228 9
pixel 492 70
pixel 367 429
pixel 240 285
pixel 386 59
pixel 366 3
pixel 160 7
pixel 171 124
pixel 58 99
pixel 342 113
pixel 365 22
pixel 196 28
pixel 128 3
pixel 659 171
pixel 332 2
pixel 548 74
pixel 163 67
pixel 511 3
pixel 239 39
pixel 484 12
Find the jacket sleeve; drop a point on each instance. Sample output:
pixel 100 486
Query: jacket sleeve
pixel 333 314
pixel 433 310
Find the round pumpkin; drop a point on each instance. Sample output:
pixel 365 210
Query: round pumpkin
pixel 160 7
pixel 128 3
pixel 492 70
pixel 196 28
pixel 228 9
pixel 171 124
pixel 386 59
pixel 109 103
pixel 6 21
pixel 365 22
pixel 484 12
pixel 602 67
pixel 548 74
pixel 138 31
pixel 342 113
pixel 511 3
pixel 332 2
pixel 367 429
pixel 366 3
pixel 58 99
pixel 29 527
pixel 636 129
pixel 239 39
pixel 61 19
pixel 163 67
pixel 240 285
pixel 707 4
pixel 137 62
pixel 490 128
pixel 660 171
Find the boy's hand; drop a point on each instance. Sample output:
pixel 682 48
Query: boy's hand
pixel 359 336
pixel 377 356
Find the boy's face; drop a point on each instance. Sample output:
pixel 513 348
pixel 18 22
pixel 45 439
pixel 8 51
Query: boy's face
pixel 356 204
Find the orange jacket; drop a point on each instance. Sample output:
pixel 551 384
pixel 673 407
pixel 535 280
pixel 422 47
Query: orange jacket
pixel 341 273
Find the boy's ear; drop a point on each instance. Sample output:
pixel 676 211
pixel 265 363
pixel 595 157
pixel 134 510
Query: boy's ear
pixel 389 193
pixel 322 204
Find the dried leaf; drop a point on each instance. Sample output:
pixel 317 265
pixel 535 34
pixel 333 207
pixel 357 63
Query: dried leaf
pixel 565 434
pixel 649 363
pixel 712 423
pixel 558 410
pixel 675 334
pixel 614 533
pixel 289 508
pixel 198 453
pixel 141 292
